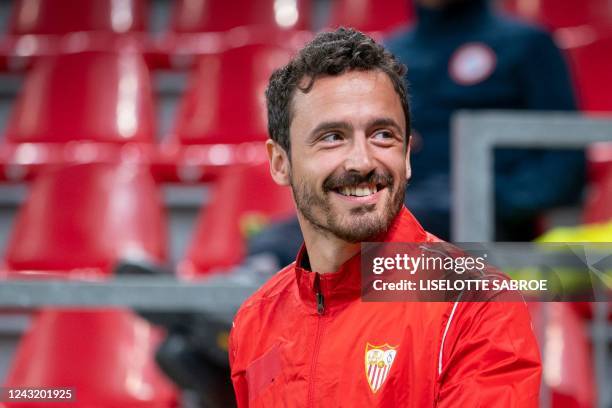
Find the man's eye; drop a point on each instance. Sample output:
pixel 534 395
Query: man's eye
pixel 383 134
pixel 331 137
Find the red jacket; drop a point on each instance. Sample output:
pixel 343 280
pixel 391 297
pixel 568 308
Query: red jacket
pixel 306 340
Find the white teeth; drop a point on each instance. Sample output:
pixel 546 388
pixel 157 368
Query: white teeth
pixel 358 191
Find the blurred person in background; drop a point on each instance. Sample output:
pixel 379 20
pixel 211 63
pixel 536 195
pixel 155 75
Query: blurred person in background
pixel 462 55
pixel 339 120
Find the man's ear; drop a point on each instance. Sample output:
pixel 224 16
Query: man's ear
pixel 408 168
pixel 279 163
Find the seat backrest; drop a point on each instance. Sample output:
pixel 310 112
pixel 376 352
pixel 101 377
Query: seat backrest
pixel 568 367
pixel 371 15
pixel 225 100
pixel 199 16
pixel 105 356
pixel 591 63
pixel 597 207
pixel 94 96
pixel 84 218
pixel 555 14
pixel 57 17
pixel 244 200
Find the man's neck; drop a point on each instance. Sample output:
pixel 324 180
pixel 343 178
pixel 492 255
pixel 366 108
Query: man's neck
pixel 326 252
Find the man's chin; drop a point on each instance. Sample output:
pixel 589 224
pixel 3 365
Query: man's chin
pixel 361 234
pixel 349 219
pixel 360 225
pixel 363 210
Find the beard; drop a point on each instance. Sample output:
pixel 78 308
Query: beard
pixel 363 222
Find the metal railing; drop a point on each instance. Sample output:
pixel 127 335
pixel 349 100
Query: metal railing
pixel 476 134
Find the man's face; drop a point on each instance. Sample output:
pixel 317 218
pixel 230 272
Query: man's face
pixel 348 166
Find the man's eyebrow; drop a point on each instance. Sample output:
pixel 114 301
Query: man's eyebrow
pixel 330 125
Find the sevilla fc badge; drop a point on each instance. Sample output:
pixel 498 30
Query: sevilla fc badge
pixel 378 362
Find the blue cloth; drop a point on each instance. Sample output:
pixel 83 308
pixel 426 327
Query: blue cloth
pixel 528 72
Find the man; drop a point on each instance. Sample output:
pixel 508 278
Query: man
pixel 338 120
pixel 462 55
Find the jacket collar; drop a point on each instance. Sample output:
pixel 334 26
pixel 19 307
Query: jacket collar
pixel 345 284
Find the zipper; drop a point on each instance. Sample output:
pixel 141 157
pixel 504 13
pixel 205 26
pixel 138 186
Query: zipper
pixel 315 355
pixel 320 303
pixel 319 295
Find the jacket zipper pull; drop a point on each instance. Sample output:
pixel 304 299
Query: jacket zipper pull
pixel 320 303
pixel 319 295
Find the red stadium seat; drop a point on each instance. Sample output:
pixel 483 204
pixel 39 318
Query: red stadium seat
pixel 589 49
pixel 92 96
pixel 555 14
pixel 201 27
pixel 590 52
pixel 567 363
pixel 597 207
pixel 244 200
pixel 38 28
pixel 106 357
pixel 78 221
pixel 225 102
pixel 56 17
pixel 371 15
pixel 200 16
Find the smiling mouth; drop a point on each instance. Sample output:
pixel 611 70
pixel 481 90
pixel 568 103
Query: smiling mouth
pixel 359 190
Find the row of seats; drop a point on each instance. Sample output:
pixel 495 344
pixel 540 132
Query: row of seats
pixel 56 17
pixel 46 27
pixel 99 105
pixel 42 27
pixel 110 92
pixel 102 213
pixel 78 222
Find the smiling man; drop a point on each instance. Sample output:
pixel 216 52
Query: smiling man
pixel 339 125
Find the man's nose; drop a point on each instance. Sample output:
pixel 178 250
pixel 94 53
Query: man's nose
pixel 360 157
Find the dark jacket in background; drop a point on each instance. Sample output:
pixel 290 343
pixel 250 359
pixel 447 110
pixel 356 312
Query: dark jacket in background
pixel 468 57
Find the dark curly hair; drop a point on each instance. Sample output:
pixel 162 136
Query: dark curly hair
pixel 329 53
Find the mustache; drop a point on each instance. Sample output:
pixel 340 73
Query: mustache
pixel 379 178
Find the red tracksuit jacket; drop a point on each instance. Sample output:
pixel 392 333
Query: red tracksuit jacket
pixel 306 340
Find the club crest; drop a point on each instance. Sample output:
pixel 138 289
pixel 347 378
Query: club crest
pixel 378 362
pixel 472 63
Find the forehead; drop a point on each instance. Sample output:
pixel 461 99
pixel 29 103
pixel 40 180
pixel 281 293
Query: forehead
pixel 355 97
